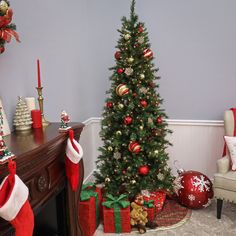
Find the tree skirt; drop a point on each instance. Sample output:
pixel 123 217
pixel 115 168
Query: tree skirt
pixel 172 215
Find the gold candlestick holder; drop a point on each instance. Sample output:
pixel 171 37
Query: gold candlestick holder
pixel 40 100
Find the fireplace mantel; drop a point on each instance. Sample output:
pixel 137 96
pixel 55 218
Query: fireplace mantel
pixel 40 164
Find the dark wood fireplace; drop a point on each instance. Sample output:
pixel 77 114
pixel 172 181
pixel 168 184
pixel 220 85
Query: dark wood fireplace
pixel 40 164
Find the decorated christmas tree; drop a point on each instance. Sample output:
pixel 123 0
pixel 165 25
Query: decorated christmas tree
pixel 133 157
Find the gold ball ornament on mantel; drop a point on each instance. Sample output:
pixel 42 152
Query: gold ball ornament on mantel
pixel 122 90
pixel 3 7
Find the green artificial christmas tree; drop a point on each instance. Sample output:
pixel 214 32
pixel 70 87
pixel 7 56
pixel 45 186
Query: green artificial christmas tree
pixel 134 130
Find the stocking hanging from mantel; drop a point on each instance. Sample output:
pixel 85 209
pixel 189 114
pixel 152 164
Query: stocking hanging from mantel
pixel 74 153
pixel 14 204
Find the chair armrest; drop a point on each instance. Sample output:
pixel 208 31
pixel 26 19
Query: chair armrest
pixel 223 165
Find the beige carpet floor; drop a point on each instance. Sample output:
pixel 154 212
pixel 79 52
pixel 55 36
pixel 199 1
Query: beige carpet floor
pixel 201 223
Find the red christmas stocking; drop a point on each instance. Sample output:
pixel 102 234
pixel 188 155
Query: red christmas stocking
pixel 74 153
pixel 14 204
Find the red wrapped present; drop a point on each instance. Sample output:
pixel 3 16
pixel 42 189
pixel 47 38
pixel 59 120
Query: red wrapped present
pixel 158 197
pixel 116 214
pixel 89 208
pixel 149 205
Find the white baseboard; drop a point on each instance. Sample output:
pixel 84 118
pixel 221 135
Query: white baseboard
pixel 197 144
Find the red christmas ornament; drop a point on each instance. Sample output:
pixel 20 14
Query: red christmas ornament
pixel 147 53
pixel 159 120
pixel 140 28
pixel 117 55
pixel 122 90
pixel 194 189
pixel 134 147
pixel 119 70
pixel 143 103
pixel 2 49
pixel 134 94
pixel 109 104
pixel 123 172
pixel 143 170
pixel 128 120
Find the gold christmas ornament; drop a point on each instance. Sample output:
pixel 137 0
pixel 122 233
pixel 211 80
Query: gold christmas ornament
pixel 107 180
pixel 141 127
pixel 127 36
pixel 129 71
pixel 110 148
pixel 156 152
pixel 133 181
pixel 131 60
pixel 120 106
pixel 3 7
pixel 118 132
pixel 122 90
pixel 142 76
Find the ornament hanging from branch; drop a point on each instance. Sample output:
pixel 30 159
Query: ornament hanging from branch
pixel 7 29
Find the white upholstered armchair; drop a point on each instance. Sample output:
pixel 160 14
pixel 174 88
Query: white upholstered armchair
pixel 225 179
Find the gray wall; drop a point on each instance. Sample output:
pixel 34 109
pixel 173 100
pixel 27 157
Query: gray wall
pixel 194 43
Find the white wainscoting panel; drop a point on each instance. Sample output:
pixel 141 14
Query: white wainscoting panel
pixel 197 145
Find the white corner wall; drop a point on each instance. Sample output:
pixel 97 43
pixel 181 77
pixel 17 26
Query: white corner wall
pixel 196 144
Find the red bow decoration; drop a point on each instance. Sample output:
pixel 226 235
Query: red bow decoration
pixel 6 19
pixel 7 34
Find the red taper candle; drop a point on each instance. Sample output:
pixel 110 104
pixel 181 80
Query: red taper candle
pixel 39 78
pixel 36 118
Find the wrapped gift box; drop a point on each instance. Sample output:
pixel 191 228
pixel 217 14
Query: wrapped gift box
pixel 158 198
pixel 116 214
pixel 90 209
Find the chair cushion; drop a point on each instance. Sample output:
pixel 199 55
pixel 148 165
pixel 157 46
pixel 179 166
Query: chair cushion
pixel 225 181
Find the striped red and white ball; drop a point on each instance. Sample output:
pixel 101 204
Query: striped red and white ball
pixel 134 147
pixel 143 170
pixel 148 53
pixel 128 120
pixel 122 90
pixel 120 71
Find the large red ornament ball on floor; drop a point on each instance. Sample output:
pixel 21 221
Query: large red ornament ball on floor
pixel 194 189
pixel 134 147
pixel 143 170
